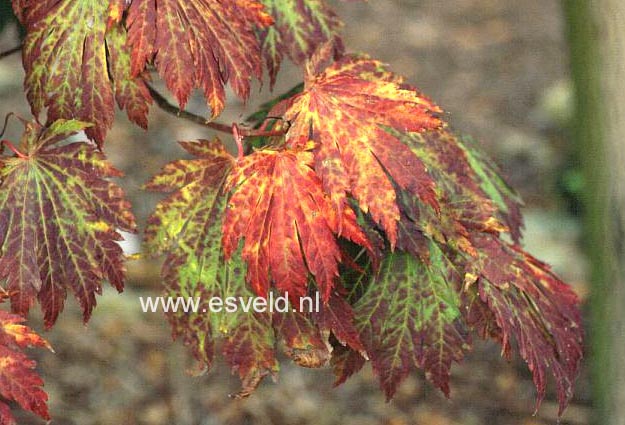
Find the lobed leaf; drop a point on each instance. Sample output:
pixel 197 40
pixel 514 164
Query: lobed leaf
pixel 198 44
pixel 289 225
pixel 343 110
pixel 300 27
pixel 187 227
pixel 19 382
pixel 527 302
pixel 409 317
pixel 67 56
pixel 58 222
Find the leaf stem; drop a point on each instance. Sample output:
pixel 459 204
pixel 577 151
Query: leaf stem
pixel 12 148
pixel 238 138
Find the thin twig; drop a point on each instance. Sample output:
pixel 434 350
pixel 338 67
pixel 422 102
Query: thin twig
pixel 6 122
pixel 174 110
pixel 10 51
pixel 164 104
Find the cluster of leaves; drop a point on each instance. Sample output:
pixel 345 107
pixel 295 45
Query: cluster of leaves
pixel 202 44
pixel 356 190
pixel 406 231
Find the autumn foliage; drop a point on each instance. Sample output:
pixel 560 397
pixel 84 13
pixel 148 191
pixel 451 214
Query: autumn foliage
pixel 18 381
pixel 351 185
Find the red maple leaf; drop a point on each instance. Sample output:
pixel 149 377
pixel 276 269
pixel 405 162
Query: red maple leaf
pixel 19 382
pixel 198 44
pixel 289 224
pixel 59 218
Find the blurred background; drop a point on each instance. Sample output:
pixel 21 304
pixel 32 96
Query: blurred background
pixel 502 71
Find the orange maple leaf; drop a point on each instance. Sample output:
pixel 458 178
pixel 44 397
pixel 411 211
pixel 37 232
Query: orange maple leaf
pixel 346 111
pixel 289 224
pixel 18 381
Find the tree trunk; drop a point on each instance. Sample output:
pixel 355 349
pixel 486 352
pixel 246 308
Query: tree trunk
pixel 597 39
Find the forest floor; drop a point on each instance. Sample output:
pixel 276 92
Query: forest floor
pixel 499 69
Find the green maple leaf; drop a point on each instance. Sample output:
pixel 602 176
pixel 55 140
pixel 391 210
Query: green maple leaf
pixel 58 220
pixel 187 227
pixel 409 318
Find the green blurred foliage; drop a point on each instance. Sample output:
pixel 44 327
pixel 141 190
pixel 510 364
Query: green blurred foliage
pixel 7 17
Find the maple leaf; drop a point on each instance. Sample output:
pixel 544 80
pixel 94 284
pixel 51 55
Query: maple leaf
pixel 300 27
pixel 527 302
pixel 198 44
pixel 58 220
pixel 463 207
pixel 19 382
pixel 409 317
pixel 303 340
pixel 187 227
pixel 131 93
pixel 345 363
pixel 337 316
pixel 470 179
pixel 66 57
pixel 289 224
pixel 344 110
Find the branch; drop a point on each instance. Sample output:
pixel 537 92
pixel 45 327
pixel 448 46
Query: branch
pixel 10 51
pixel 174 110
pixel 164 104
pixel 161 102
